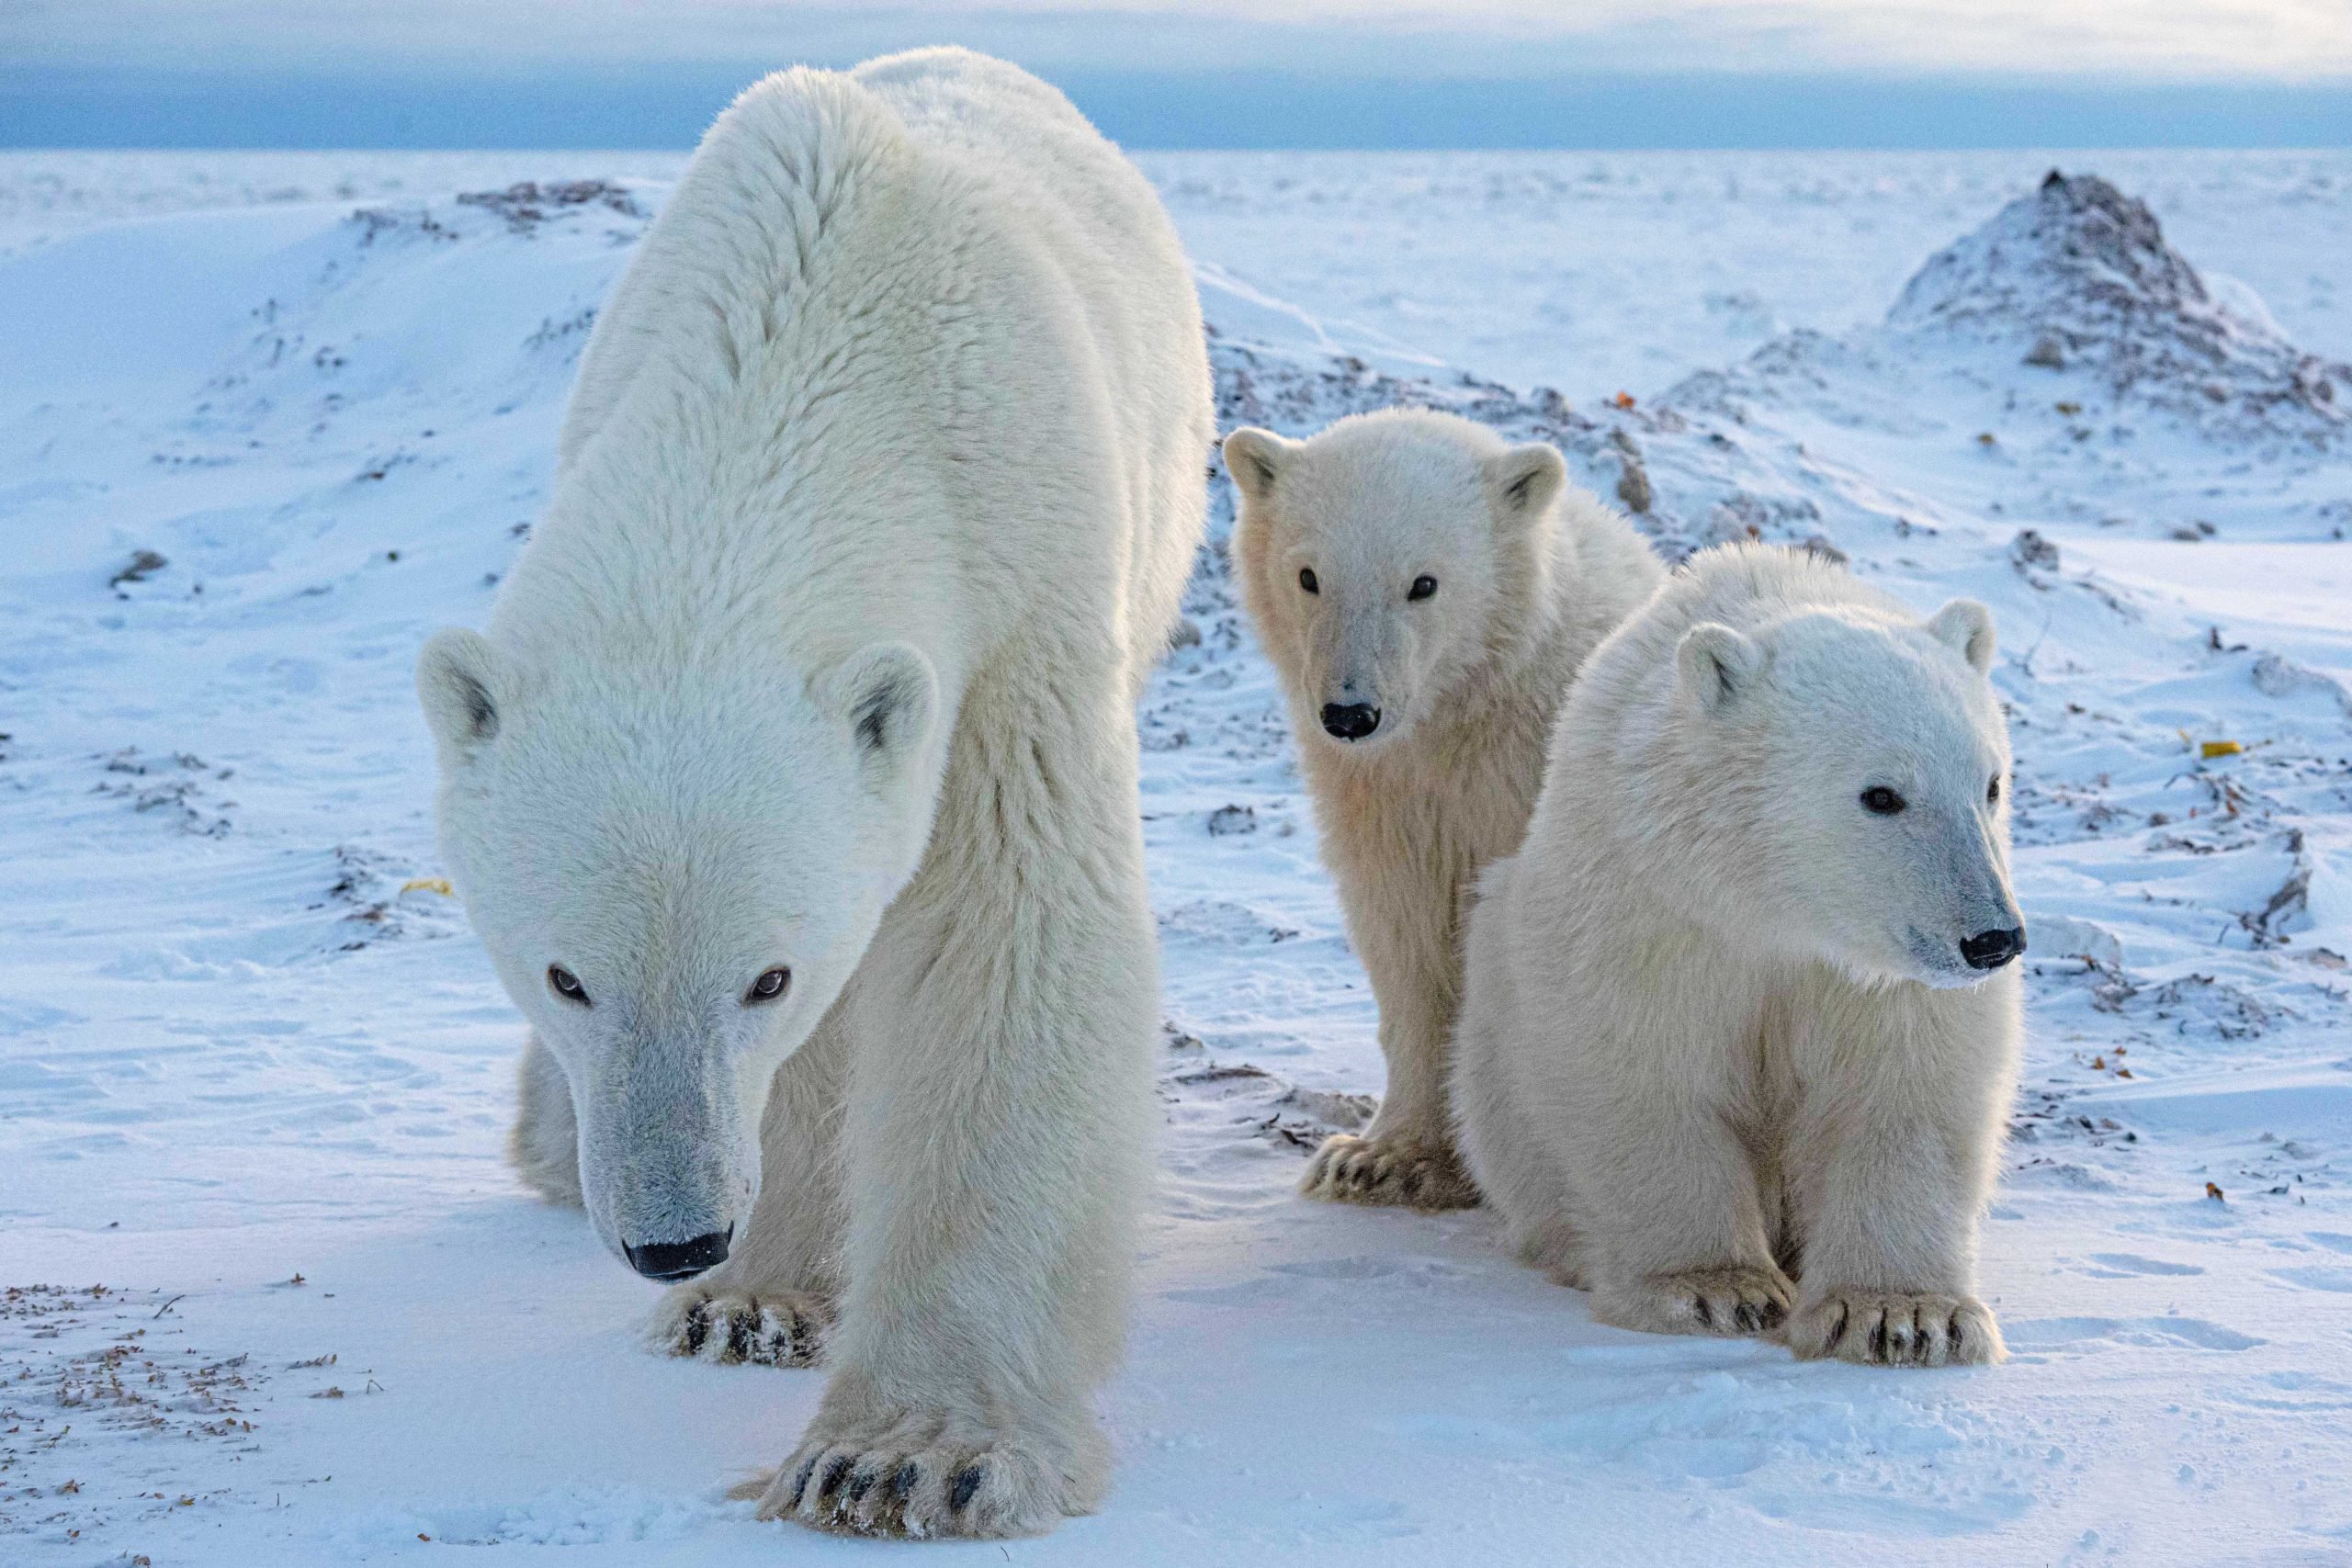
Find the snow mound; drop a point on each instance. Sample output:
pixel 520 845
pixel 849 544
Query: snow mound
pixel 2078 275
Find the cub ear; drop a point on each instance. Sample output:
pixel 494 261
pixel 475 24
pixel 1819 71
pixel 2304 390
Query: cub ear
pixel 1717 665
pixel 888 696
pixel 464 684
pixel 1254 458
pixel 1525 480
pixel 1966 626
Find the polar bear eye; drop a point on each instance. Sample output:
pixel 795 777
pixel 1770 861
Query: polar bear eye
pixel 1993 791
pixel 768 986
pixel 1306 579
pixel 1883 800
pixel 566 985
pixel 1424 587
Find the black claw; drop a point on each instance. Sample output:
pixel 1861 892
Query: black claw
pixel 961 1491
pixel 1706 1313
pixel 697 1327
pixel 1878 1340
pixel 902 1480
pixel 739 1327
pixel 1747 1318
pixel 1769 1316
pixel 800 1482
pixel 1955 1337
pixel 860 1485
pixel 1845 1315
pixel 833 1474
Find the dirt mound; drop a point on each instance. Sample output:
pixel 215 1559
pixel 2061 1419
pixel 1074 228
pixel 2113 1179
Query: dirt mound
pixel 2077 277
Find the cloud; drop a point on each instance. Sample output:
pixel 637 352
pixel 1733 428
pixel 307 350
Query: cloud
pixel 2211 40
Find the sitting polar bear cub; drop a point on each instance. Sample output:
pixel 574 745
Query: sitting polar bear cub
pixel 793 787
pixel 1741 1026
pixel 1426 592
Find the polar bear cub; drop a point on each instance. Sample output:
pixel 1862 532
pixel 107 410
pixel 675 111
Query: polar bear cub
pixel 1741 1025
pixel 1426 592
pixel 792 788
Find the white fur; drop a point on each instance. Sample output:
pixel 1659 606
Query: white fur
pixel 1529 575
pixel 879 489
pixel 1719 1059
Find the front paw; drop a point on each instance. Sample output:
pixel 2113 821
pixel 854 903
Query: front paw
pixel 1403 1171
pixel 1881 1328
pixel 1730 1302
pixel 769 1328
pixel 919 1473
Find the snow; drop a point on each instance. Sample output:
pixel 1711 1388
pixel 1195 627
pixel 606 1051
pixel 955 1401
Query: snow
pixel 255 1072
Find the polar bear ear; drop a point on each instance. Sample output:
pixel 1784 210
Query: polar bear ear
pixel 1965 626
pixel 1255 459
pixel 1717 665
pixel 464 684
pixel 1525 480
pixel 887 693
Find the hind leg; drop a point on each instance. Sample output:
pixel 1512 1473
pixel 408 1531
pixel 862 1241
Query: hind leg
pixel 544 1144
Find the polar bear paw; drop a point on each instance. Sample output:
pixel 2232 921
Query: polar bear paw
pixel 769 1328
pixel 912 1477
pixel 1730 1302
pixel 1405 1172
pixel 1881 1328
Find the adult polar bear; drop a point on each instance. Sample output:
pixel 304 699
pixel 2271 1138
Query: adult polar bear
pixel 793 787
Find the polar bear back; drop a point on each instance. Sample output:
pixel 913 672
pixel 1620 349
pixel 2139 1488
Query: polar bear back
pixel 881 311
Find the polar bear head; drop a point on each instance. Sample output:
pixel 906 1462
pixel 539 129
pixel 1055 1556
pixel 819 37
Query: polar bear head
pixel 1848 768
pixel 675 873
pixel 1386 558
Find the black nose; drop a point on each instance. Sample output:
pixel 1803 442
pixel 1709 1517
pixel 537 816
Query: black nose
pixel 1352 722
pixel 1990 950
pixel 680 1260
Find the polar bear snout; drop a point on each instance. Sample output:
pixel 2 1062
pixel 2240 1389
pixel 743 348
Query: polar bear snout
pixel 672 1260
pixel 1350 721
pixel 1991 949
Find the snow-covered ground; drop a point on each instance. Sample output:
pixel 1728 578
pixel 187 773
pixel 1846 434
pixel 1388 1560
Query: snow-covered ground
pixel 272 1298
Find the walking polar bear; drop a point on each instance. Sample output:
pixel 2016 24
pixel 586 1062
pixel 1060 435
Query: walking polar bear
pixel 793 786
pixel 1425 593
pixel 1741 1027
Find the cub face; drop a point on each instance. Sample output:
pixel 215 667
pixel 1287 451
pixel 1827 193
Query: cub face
pixel 674 881
pixel 1859 767
pixel 1380 558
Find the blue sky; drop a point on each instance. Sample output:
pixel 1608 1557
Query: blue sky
pixel 1204 73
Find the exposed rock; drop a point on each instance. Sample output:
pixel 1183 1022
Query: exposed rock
pixel 2030 550
pixel 142 565
pixel 527 203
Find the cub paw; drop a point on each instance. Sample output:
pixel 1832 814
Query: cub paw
pixel 1728 1302
pixel 912 1477
pixel 1404 1172
pixel 1879 1328
pixel 773 1328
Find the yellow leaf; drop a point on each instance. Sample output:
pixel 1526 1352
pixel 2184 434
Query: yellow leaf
pixel 2212 749
pixel 429 885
